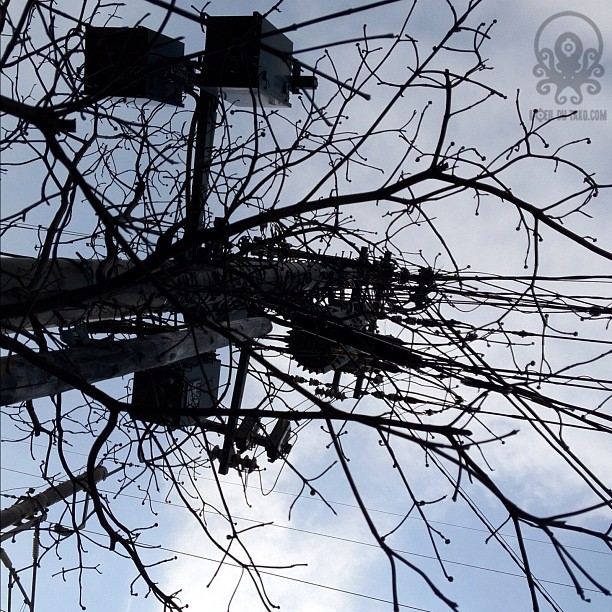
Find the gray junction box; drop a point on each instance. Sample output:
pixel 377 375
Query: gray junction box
pixel 162 395
pixel 133 63
pixel 238 66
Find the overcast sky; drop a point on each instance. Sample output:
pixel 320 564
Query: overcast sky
pixel 344 570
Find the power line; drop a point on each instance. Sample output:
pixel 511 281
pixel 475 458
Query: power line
pixel 336 503
pixel 37 228
pixel 269 573
pixel 350 540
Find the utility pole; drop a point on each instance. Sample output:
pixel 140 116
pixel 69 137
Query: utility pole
pixel 28 507
pixel 32 510
pixel 26 293
pixel 68 292
pixel 246 61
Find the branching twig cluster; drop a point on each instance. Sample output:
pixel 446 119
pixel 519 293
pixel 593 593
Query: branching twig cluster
pixel 310 217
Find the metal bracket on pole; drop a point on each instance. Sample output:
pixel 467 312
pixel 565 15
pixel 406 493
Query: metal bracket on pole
pixel 204 142
pixel 14 578
pixel 232 420
pixel 75 334
pixel 23 527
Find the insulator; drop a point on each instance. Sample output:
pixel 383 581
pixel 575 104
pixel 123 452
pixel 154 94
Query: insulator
pixel 244 463
pixel 331 393
pixel 35 546
pixel 249 464
pixel 236 461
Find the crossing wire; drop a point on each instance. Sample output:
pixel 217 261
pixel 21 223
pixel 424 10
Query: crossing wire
pixel 347 540
pixel 269 573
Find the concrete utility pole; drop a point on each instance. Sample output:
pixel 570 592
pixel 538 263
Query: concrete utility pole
pixel 246 61
pixel 27 280
pixel 26 284
pixel 27 508
pixel 24 379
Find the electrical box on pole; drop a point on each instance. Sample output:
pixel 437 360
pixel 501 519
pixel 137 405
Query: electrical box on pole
pixel 246 62
pixel 246 59
pixel 278 444
pixel 166 392
pixel 134 63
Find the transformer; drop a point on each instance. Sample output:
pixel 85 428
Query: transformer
pixel 316 353
pixel 133 63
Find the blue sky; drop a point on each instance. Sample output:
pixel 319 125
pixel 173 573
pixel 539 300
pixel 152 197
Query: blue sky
pixel 335 565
